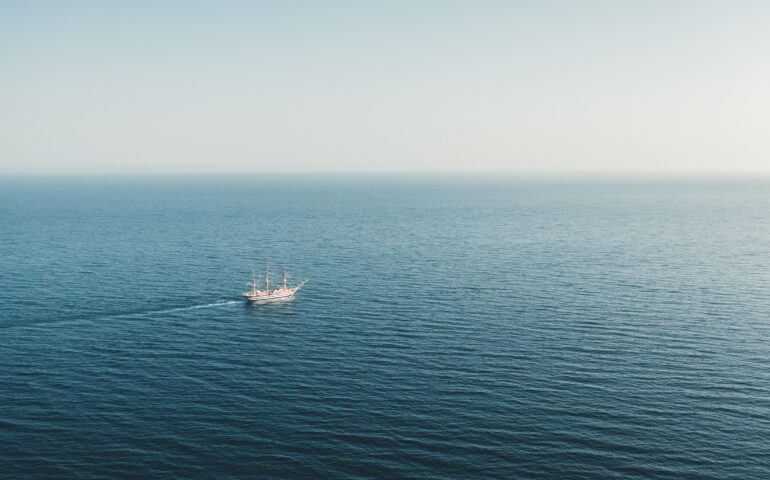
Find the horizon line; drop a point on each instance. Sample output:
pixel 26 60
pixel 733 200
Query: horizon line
pixel 406 173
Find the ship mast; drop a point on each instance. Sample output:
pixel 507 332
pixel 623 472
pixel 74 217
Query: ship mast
pixel 267 281
pixel 253 283
pixel 284 276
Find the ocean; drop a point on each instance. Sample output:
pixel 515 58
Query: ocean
pixel 452 328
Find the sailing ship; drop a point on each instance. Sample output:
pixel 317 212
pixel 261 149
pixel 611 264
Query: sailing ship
pixel 277 293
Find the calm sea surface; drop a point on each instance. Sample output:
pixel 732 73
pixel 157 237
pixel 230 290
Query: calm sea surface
pixel 449 329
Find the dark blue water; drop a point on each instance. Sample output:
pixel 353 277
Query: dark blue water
pixel 449 329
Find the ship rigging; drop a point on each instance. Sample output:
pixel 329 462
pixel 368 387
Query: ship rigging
pixel 279 292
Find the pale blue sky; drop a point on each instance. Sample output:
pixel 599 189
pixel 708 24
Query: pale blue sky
pixel 364 86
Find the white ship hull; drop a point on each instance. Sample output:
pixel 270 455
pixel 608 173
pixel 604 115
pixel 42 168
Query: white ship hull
pixel 267 298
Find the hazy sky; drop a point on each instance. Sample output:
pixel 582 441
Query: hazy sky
pixel 361 86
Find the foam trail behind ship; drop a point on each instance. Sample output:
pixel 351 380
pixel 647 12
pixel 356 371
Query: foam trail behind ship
pixel 137 315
